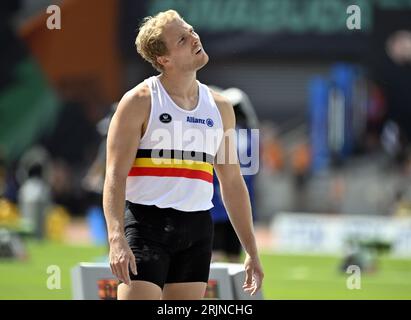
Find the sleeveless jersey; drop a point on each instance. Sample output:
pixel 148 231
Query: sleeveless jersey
pixel 174 162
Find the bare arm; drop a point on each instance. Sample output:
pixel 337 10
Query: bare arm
pixel 236 197
pixel 122 143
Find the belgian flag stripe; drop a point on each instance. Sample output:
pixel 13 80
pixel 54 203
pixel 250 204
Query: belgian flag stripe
pixel 175 154
pixel 173 163
pixel 171 172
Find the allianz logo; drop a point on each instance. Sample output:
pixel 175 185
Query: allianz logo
pixel 209 122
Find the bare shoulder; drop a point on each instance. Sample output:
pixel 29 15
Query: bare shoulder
pixel 221 101
pixel 226 109
pixel 136 101
pixel 132 112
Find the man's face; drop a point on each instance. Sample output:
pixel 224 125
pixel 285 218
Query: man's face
pixel 185 51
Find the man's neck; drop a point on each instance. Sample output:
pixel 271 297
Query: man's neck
pixel 180 85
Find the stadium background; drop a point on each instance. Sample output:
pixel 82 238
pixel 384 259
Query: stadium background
pixel 334 110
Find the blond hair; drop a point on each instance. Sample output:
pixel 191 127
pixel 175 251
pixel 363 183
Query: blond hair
pixel 149 42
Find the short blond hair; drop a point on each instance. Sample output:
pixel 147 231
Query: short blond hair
pixel 149 42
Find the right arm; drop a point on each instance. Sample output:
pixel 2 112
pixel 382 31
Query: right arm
pixel 123 141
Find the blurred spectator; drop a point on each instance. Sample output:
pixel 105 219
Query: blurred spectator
pixel 272 153
pixel 390 139
pixel 93 183
pixel 61 182
pixel 300 165
pixel 34 195
pixel 72 144
pixel 94 179
pixel 398 47
pixel 389 61
pixel 300 161
pixel 392 73
pixel 376 115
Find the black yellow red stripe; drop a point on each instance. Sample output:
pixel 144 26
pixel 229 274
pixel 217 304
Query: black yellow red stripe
pixel 173 163
pixel 175 154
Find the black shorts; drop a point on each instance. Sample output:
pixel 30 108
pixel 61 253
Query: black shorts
pixel 170 246
pixel 225 238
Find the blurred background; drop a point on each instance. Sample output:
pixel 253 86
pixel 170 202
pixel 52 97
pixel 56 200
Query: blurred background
pixel 334 110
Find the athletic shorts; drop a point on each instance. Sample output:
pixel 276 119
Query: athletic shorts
pixel 170 246
pixel 225 238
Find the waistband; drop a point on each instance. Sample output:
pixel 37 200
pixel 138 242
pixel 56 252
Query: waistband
pixel 153 209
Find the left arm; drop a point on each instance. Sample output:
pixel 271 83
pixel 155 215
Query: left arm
pixel 235 196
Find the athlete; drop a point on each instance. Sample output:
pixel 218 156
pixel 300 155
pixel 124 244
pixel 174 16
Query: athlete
pixel 165 138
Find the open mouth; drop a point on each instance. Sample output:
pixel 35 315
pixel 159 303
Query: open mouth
pixel 199 50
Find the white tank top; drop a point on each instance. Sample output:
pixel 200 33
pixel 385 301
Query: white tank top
pixel 174 162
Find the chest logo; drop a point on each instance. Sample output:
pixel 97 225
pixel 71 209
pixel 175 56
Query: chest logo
pixel 209 122
pixel 165 118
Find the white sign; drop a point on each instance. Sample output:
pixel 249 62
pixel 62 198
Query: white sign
pixel 329 233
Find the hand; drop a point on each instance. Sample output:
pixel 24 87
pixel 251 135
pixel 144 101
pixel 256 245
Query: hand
pixel 121 257
pixel 253 275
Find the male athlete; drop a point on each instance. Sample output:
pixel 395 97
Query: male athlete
pixel 159 173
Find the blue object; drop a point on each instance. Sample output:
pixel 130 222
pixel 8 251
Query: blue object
pixel 318 110
pixel 97 225
pixel 343 75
